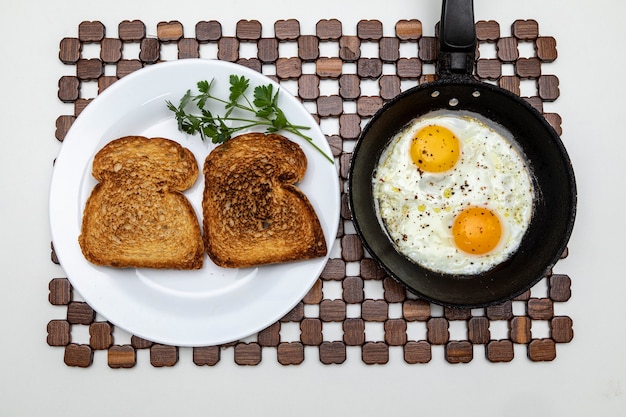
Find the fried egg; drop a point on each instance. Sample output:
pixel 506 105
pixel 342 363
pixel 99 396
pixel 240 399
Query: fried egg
pixel 454 195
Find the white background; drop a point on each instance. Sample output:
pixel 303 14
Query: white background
pixel 587 378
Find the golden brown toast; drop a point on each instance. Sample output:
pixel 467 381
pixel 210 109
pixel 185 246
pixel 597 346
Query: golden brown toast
pixel 136 216
pixel 253 213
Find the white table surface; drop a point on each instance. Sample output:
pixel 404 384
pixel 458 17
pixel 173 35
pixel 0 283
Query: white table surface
pixel 588 376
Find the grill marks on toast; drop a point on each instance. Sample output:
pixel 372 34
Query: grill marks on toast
pixel 253 212
pixel 137 216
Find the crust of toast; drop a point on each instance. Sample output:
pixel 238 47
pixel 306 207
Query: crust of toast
pixel 136 216
pixel 253 212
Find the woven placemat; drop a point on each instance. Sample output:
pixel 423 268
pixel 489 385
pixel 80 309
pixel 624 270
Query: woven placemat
pixel 354 308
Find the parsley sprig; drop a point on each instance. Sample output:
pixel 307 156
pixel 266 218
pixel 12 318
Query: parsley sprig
pixel 220 128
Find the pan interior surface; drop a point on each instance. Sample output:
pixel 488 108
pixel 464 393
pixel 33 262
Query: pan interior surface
pixel 553 182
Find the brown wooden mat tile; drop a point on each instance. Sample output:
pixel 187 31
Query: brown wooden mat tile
pixel 353 305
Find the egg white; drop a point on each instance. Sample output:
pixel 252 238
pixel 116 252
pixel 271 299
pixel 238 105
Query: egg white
pixel 418 208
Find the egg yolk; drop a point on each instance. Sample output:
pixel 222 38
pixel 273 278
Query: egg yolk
pixel 435 149
pixel 477 230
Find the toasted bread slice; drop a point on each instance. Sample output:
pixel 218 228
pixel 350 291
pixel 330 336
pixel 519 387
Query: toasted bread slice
pixel 136 216
pixel 253 213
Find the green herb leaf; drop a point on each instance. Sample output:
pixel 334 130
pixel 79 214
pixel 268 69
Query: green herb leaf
pixel 264 108
pixel 280 121
pixel 263 96
pixel 204 86
pixel 238 86
pixel 264 113
pixel 205 93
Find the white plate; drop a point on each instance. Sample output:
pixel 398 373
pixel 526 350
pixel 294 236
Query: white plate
pixel 184 308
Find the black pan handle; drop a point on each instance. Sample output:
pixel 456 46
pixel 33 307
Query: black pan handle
pixel 457 38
